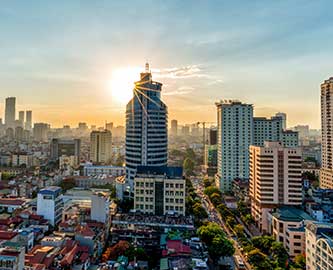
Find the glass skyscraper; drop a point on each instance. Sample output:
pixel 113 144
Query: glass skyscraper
pixel 146 126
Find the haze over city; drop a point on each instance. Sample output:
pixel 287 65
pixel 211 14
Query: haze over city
pixel 72 61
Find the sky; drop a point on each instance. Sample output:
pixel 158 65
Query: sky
pixel 64 59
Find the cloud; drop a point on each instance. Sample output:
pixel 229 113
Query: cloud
pixel 183 90
pixel 191 71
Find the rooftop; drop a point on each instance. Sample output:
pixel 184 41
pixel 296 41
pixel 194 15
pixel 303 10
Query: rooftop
pixel 291 214
pixel 11 201
pixel 170 172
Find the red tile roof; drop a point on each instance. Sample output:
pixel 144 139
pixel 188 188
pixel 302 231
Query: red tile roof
pixel 85 231
pixel 5 235
pixel 11 201
pixel 176 248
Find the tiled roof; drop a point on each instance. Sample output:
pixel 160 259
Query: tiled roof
pixel 11 201
pixel 4 235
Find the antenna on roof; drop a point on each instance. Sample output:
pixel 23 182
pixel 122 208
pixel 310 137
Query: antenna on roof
pixel 147 67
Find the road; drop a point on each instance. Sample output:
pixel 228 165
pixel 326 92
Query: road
pixel 215 216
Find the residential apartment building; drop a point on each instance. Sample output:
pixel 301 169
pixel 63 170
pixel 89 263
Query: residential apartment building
pixel 271 129
pixel 326 173
pixel 235 135
pixel 40 131
pixel 101 146
pixel 275 179
pixel 159 190
pixel 319 247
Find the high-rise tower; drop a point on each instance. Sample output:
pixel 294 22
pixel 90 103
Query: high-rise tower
pixel 28 120
pixel 146 126
pixel 10 111
pixel 235 135
pixel 326 173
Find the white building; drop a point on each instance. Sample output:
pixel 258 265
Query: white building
pixel 235 135
pixel 100 207
pixel 319 246
pixel 275 179
pixel 271 129
pixel 50 205
pixel 326 173
pixel 101 146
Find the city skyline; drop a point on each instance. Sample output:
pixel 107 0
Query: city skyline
pixel 259 54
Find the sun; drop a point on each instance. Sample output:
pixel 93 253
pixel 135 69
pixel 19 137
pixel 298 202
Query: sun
pixel 122 83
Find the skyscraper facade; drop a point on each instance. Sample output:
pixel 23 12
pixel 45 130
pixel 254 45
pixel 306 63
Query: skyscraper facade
pixel 21 118
pixel 271 129
pixel 235 135
pixel 28 120
pixel 284 119
pixel 174 127
pixel 10 111
pixel 146 126
pixel 40 131
pixel 326 173
pixel 275 179
pixel 101 146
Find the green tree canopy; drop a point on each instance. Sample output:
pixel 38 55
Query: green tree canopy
pixel 214 237
pixel 188 166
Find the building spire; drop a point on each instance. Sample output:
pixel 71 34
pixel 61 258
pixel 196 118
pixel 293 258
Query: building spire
pixel 147 67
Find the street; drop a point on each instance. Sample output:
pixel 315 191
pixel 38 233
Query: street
pixel 215 216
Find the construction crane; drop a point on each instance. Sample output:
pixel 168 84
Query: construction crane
pixel 204 135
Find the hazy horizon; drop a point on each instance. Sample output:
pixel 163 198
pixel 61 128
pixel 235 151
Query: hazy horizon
pixel 72 62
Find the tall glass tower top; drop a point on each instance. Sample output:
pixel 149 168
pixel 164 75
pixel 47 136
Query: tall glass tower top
pixel 146 126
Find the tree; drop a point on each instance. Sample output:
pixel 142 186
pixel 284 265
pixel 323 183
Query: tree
pixel 263 243
pixel 126 205
pixel 210 190
pixel 188 166
pixel 207 182
pixel 209 231
pixel 218 245
pixel 279 253
pixel 259 260
pixel 248 219
pixel 199 212
pixel 241 207
pixel 300 261
pixel 215 198
pixel 189 153
pixel 239 230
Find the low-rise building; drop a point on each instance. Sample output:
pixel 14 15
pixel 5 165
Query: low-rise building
pixel 50 205
pixel 159 190
pixel 319 246
pixel 22 159
pixel 287 226
pixel 107 170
